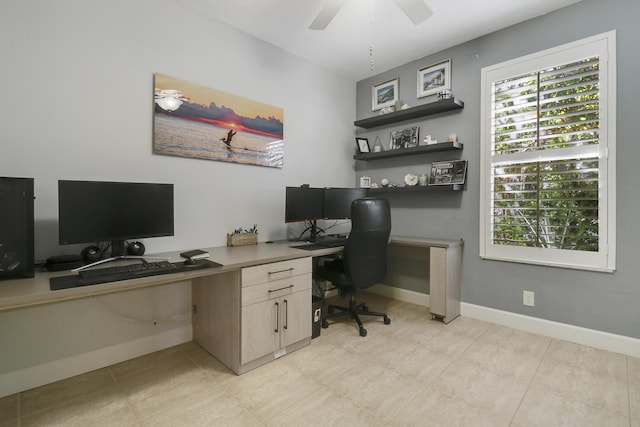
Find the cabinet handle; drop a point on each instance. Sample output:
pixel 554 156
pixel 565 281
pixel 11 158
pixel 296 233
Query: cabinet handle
pixel 286 314
pixel 281 271
pixel 281 289
pixel 277 317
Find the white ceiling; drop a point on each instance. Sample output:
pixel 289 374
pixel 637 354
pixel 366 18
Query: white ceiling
pixel 344 45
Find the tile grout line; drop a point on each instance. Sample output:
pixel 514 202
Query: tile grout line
pixel 526 391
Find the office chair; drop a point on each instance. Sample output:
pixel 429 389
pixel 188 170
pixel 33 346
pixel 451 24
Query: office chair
pixel 363 262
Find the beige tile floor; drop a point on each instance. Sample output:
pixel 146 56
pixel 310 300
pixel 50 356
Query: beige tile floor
pixel 414 372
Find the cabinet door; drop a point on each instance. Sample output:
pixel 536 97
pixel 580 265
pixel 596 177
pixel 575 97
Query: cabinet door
pixel 261 327
pixel 295 317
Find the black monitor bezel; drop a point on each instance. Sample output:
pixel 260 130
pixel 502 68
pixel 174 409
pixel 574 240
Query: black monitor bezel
pixel 71 191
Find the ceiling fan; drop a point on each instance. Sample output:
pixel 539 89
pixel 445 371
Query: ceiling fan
pixel 416 10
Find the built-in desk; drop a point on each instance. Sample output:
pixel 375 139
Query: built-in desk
pixel 254 308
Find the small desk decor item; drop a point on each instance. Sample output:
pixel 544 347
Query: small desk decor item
pixel 449 172
pixel 410 179
pixel 434 78
pixel 365 182
pixel 378 147
pixel 384 94
pixel 363 145
pixel 242 237
pixel 405 138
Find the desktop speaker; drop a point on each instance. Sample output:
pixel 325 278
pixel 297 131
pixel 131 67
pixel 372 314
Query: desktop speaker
pixel 91 254
pixel 16 228
pixel 135 249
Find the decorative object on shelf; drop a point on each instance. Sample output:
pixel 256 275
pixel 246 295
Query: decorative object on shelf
pixel 452 137
pixel 374 185
pixel 422 180
pixel 449 172
pixel 363 145
pixel 434 78
pixel 429 141
pixel 405 138
pixel 179 130
pixel 405 107
pixel 384 94
pixel 387 110
pixel 377 146
pixel 444 94
pixel 384 182
pixel 365 182
pixel 410 179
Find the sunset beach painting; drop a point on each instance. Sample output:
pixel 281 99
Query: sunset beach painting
pixel 195 121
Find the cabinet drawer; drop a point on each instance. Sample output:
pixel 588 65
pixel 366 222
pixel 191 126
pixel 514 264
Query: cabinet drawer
pixel 275 271
pixel 275 289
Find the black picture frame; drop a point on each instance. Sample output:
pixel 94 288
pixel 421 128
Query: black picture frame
pixel 363 145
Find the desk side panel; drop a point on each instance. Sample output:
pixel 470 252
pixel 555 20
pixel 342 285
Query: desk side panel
pixel 216 317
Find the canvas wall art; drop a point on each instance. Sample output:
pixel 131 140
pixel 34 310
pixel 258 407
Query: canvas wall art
pixel 195 121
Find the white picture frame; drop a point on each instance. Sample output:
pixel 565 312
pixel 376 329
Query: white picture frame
pixel 384 94
pixel 434 78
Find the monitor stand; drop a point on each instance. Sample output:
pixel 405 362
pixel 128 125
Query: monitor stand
pixel 118 248
pixel 313 230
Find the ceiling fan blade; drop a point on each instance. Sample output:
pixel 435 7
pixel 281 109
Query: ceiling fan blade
pixel 329 10
pixel 416 10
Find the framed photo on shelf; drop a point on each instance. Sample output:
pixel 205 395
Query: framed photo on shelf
pixel 434 78
pixel 363 145
pixel 447 173
pixel 384 94
pixel 404 138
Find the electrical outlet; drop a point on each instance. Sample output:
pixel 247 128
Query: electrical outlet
pixel 528 298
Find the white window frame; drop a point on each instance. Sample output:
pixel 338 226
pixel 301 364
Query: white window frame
pixel 604 46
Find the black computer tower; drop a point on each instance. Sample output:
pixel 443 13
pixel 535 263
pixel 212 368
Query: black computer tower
pixel 16 228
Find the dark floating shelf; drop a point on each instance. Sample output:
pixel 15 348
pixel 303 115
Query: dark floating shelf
pixel 420 149
pixel 417 189
pixel 411 113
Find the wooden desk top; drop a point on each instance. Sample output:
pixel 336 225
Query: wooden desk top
pixel 21 293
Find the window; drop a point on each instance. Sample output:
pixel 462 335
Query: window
pixel 548 157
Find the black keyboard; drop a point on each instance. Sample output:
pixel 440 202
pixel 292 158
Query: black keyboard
pixel 125 272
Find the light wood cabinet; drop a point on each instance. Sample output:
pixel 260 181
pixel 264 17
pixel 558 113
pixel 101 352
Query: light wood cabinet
pixel 445 264
pixel 248 317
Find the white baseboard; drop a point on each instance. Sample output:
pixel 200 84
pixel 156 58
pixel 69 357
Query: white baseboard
pixel 576 334
pixel 46 373
pixel 400 294
pixel 590 337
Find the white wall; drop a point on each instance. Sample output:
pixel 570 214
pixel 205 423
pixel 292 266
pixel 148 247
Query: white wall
pixel 77 83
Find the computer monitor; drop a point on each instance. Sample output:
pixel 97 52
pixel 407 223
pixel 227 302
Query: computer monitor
pixel 304 204
pixel 96 211
pixel 337 201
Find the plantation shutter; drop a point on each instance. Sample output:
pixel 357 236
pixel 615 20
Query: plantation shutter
pixel 545 132
pixel 547 169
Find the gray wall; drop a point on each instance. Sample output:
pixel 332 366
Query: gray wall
pixel 77 88
pixel 600 301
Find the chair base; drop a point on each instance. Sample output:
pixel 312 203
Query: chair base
pixel 354 311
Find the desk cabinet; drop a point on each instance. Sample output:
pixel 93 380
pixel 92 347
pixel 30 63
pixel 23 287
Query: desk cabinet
pixel 445 264
pixel 248 317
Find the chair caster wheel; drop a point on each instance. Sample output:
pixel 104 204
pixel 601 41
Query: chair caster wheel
pixel 363 332
pixel 387 321
pixel 365 308
pixel 325 324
